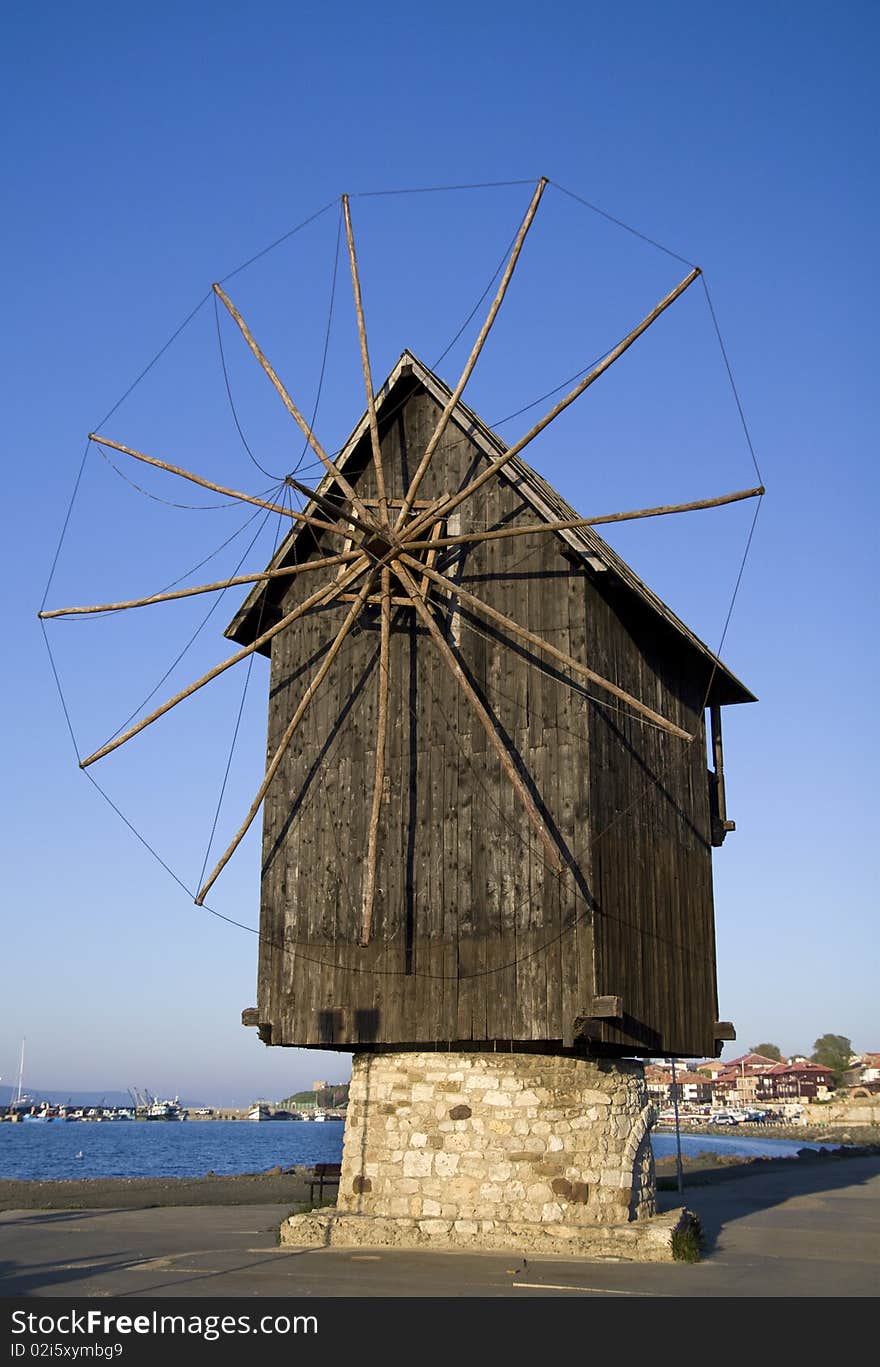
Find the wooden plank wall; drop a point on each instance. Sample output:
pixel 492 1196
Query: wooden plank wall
pixel 474 938
pixel 652 863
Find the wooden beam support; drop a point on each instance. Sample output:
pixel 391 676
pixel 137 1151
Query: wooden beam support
pixel 457 592
pixel 209 484
pixel 379 775
pixel 291 407
pixel 324 594
pixel 724 1030
pixel 317 679
pixel 365 363
pixel 325 563
pixel 499 463
pixel 605 1008
pixel 250 1016
pixel 483 716
pixel 475 352
pixel 721 827
pixel 575 523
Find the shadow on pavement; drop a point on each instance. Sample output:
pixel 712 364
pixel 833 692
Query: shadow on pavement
pixel 740 1191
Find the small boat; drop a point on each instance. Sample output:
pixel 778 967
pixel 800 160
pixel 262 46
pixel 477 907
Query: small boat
pixel 263 1111
pixel 165 1110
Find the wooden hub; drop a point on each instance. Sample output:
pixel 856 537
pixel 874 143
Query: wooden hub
pixel 378 544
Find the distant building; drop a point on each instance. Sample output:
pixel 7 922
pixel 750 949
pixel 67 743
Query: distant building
pixel 713 1067
pixel 799 1081
pixel 319 1086
pixel 863 1074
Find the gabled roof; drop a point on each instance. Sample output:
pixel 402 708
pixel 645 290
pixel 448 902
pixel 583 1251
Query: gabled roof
pixel 782 1068
pixel 532 488
pixel 751 1060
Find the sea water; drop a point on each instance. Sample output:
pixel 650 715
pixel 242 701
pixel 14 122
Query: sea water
pixel 60 1150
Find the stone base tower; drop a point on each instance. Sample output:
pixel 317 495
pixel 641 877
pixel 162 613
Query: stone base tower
pixel 492 1150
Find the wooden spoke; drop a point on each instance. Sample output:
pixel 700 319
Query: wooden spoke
pixel 365 362
pixel 324 594
pixel 472 359
pixel 485 719
pixel 317 680
pixel 568 660
pixel 286 571
pixel 327 506
pixel 290 405
pixel 209 484
pixel 499 463
pixel 379 776
pixel 500 532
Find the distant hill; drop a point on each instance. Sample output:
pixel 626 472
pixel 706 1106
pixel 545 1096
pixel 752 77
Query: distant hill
pixel 328 1098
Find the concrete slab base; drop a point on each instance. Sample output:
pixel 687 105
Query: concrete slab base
pixel 648 1240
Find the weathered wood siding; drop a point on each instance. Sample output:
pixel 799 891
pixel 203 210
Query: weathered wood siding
pixel 475 938
pixel 651 849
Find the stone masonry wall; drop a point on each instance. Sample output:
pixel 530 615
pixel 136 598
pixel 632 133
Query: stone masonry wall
pixel 458 1140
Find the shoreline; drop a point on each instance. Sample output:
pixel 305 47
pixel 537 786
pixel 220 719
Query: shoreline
pixel 833 1135
pixel 289 1186
pixel 275 1187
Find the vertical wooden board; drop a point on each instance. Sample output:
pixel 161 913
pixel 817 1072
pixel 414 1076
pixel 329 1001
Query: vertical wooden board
pixel 422 1001
pixel 452 891
pixel 468 983
pixel 440 986
pixel 580 980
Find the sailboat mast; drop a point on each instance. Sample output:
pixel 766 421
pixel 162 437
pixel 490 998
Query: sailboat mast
pixel 20 1072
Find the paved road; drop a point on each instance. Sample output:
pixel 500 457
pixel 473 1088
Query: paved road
pixel 811 1230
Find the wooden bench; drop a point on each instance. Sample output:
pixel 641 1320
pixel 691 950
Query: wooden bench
pixel 326 1175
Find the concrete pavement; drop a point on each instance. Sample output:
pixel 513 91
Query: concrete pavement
pixel 805 1230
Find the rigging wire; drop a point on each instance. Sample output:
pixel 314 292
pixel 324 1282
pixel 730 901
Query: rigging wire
pixel 727 364
pixel 618 816
pixel 169 503
pixel 244 440
pixel 199 629
pixel 299 466
pixel 278 241
pixel 620 224
pixel 435 189
pixel 285 494
pixel 499 268
pixel 65 523
pixel 147 368
pixel 594 840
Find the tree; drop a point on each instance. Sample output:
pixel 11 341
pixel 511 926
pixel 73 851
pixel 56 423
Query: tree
pixel 833 1052
pixel 767 1051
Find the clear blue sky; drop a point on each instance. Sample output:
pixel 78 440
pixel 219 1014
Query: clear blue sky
pixel 149 153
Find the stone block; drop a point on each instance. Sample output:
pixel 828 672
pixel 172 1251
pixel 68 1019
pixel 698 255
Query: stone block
pixel 417 1163
pixel 454 1136
pixel 446 1164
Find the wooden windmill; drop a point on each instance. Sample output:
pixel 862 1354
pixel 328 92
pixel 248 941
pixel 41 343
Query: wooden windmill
pixel 488 818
